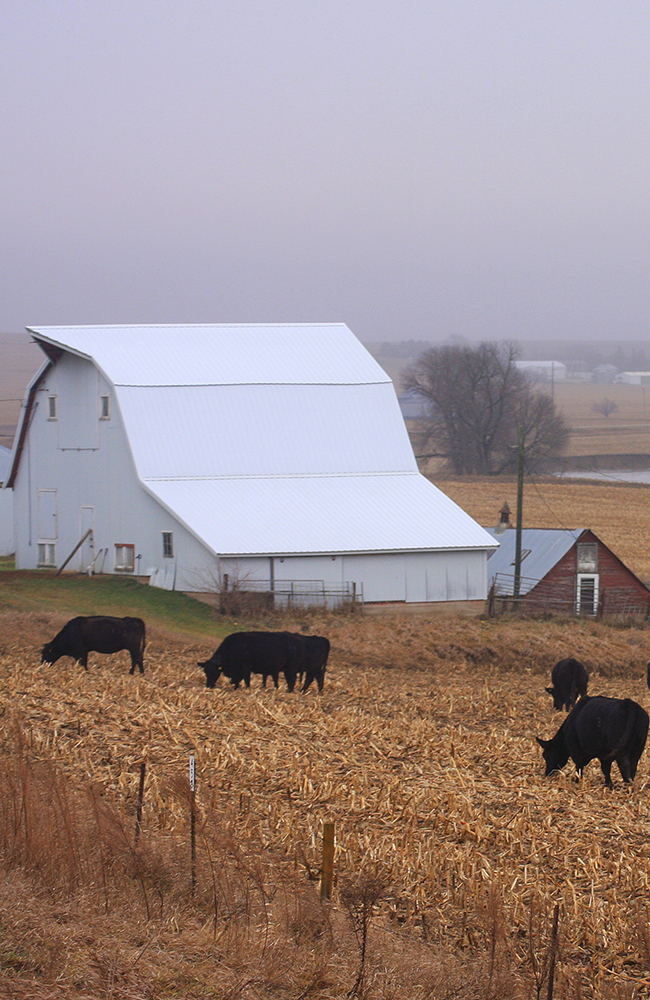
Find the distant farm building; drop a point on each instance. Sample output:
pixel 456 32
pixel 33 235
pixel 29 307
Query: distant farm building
pixel 543 371
pixel 564 572
pixel 413 404
pixel 633 378
pixel 262 458
pixel 604 374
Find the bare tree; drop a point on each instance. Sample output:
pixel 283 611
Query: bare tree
pixel 479 401
pixel 605 407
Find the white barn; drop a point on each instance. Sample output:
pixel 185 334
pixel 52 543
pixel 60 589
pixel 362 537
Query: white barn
pixel 265 452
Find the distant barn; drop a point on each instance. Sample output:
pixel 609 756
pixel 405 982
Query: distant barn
pixel 261 457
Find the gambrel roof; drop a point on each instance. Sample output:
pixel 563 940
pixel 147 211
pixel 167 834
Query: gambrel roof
pixel 269 438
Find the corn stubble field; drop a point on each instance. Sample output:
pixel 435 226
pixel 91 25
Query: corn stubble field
pixel 453 853
pixel 452 849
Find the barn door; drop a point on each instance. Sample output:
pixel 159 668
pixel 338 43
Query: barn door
pixel 87 550
pixel 47 529
pixel 587 594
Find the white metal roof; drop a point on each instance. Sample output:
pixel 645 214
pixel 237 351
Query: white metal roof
pixel 542 549
pixel 271 438
pixel 263 430
pixel 316 514
pixel 221 354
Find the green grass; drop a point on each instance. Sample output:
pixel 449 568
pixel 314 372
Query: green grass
pixel 75 594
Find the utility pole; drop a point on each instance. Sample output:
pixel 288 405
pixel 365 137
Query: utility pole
pixel 520 509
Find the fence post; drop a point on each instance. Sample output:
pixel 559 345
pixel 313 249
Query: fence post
pixel 327 868
pixel 138 814
pixel 193 821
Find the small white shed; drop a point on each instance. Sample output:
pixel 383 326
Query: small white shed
pixel 265 454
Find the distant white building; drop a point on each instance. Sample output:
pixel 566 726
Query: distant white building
pixel 633 378
pixel 543 371
pixel 265 453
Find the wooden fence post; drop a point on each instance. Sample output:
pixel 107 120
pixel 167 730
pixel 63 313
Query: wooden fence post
pixel 327 869
pixel 138 814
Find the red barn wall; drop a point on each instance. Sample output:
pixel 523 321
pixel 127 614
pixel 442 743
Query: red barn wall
pixel 616 582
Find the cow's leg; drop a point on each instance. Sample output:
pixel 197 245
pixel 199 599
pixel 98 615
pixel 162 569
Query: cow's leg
pixel 83 660
pixel 290 676
pixel 606 767
pixel 276 677
pixel 625 768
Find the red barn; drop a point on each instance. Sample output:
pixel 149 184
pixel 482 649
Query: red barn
pixel 565 572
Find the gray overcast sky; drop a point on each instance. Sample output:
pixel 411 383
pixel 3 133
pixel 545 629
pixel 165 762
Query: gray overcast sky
pixel 414 169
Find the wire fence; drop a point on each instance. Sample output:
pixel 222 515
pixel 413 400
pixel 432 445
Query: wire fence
pixel 539 597
pixel 290 594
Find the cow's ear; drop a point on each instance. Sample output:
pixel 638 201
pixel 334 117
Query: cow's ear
pixel 550 690
pixel 542 743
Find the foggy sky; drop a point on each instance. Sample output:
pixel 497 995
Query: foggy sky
pixel 416 169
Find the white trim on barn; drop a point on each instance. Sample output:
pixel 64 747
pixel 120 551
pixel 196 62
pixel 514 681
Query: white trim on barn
pixel 264 451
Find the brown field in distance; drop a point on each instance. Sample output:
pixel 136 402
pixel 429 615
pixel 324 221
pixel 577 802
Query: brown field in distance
pixel 619 513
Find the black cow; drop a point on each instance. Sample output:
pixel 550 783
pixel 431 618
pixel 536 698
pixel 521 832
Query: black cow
pixel 244 653
pixel 607 728
pixel 569 679
pixel 98 634
pixel 316 649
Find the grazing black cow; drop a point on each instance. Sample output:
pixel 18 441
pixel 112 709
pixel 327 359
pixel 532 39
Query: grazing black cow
pixel 569 679
pixel 244 653
pixel 607 728
pixel 316 649
pixel 98 634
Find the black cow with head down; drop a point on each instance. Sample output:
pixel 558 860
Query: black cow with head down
pixel 611 729
pixel 570 680
pixel 98 634
pixel 316 650
pixel 244 653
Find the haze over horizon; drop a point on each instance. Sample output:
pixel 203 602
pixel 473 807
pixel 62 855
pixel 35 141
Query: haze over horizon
pixel 418 171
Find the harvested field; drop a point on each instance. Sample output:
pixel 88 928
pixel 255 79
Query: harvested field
pixel 421 749
pixel 619 513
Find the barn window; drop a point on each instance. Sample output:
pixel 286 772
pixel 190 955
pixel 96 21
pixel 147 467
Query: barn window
pixel 587 557
pixel 124 558
pixel 51 407
pixel 168 544
pixel 104 409
pixel 46 554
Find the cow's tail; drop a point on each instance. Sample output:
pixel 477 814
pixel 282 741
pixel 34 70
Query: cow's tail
pixel 630 707
pixel 143 641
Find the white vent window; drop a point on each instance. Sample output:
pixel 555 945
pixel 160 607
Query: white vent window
pixel 104 408
pixel 51 407
pixel 124 558
pixel 46 554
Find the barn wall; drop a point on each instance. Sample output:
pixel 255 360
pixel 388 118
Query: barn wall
pixel 414 577
pixel 613 577
pixel 7 545
pixel 89 486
